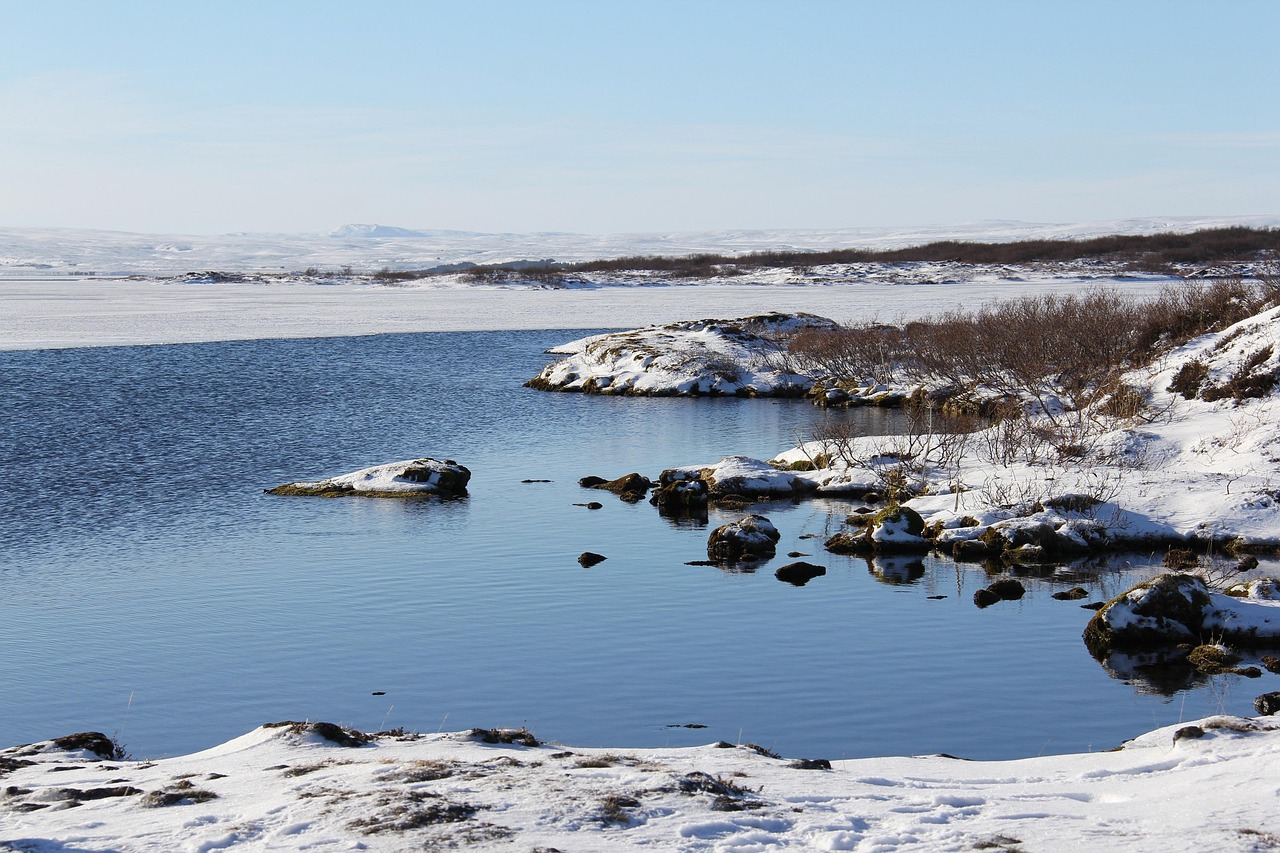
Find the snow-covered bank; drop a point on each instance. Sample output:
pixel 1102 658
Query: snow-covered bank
pixel 1206 785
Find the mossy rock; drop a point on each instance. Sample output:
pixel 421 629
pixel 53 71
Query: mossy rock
pixel 680 496
pixel 1163 611
pixel 971 550
pixel 853 542
pixel 315 490
pixel 1211 660
pixel 900 515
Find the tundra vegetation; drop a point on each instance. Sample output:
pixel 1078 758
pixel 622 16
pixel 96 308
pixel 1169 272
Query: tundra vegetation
pixel 1166 253
pixel 1036 380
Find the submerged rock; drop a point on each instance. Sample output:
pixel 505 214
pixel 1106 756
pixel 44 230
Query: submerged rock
pixel 799 574
pixel 413 478
pixel 751 538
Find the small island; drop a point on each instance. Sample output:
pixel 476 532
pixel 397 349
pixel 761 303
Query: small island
pixel 412 478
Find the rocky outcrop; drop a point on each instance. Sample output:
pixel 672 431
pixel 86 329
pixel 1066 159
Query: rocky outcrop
pixel 749 539
pixel 691 358
pixel 893 530
pixel 412 478
pixel 1179 608
pixel 1166 610
pixel 742 477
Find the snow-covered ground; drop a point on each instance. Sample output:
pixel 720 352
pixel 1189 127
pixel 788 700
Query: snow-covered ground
pixel 63 287
pixel 1207 785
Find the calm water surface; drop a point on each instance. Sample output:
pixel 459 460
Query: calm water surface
pixel 149 589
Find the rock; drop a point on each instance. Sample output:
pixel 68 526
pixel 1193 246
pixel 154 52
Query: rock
pixel 1024 555
pixel 985 598
pixel 94 742
pixel 1267 704
pixel 1262 589
pixel 587 559
pixel 1074 594
pixel 898 528
pixel 413 478
pixel 810 764
pixel 752 537
pixel 1166 610
pixel 799 574
pixel 1271 663
pixel 970 549
pixel 1188 732
pixel 630 487
pixel 1008 589
pixel 1004 589
pixel 680 496
pixel 686 358
pixel 1213 659
pixel 743 477
pixel 851 542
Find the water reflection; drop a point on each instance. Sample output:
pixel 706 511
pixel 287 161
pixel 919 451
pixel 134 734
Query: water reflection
pixel 896 569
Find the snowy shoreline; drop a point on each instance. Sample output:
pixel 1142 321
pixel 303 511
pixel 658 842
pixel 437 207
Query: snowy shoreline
pixel 1202 785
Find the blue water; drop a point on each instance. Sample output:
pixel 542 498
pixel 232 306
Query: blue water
pixel 151 590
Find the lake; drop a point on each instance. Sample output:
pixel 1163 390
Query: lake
pixel 153 592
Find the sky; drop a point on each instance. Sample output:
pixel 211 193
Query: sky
pixel 217 116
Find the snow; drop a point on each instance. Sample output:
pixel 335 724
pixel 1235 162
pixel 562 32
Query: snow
pixel 409 477
pixel 1203 785
pixel 370 247
pixel 67 287
pixel 720 357
pixel 1207 470
pixel 1195 471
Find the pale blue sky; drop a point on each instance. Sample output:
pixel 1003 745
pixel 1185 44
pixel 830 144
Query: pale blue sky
pixel 605 116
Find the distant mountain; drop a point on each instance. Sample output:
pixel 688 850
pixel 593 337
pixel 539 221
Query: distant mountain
pixel 360 230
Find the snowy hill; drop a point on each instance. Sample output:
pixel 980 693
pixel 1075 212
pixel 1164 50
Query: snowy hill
pixel 28 252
